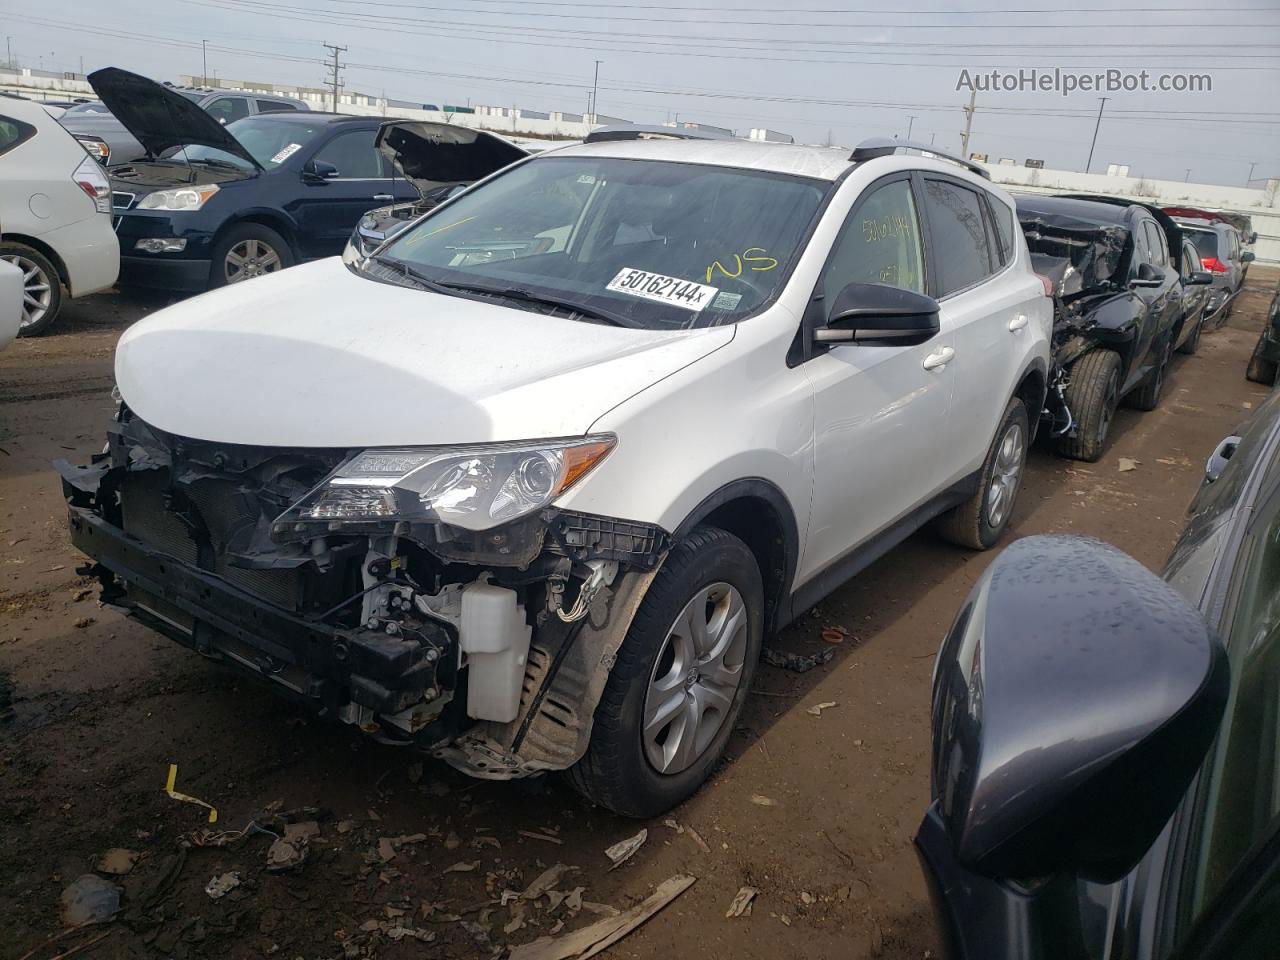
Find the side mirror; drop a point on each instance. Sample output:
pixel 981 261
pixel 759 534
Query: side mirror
pixel 1149 275
pixel 1200 278
pixel 1074 699
pixel 1248 256
pixel 317 171
pixel 876 313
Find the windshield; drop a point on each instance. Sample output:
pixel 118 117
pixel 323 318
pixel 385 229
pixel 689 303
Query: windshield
pixel 268 140
pixel 96 109
pixel 649 244
pixel 1206 242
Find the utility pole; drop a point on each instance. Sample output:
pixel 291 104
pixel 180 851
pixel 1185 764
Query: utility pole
pixel 933 138
pixel 1252 164
pixel 204 66
pixel 595 83
pixel 8 52
pixel 1096 125
pixel 335 71
pixel 911 121
pixel 1188 176
pixel 968 123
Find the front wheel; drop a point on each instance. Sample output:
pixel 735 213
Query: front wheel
pixel 1192 343
pixel 1260 369
pixel 1092 396
pixel 1147 397
pixel 979 522
pixel 248 250
pixel 680 679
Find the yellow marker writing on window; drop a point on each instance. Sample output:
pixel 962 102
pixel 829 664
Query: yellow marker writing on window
pixel 448 226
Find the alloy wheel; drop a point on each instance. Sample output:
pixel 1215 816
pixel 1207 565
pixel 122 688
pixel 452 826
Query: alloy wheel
pixel 1006 473
pixel 695 678
pixel 250 258
pixel 37 290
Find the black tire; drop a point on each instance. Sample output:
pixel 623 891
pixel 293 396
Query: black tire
pixel 26 259
pixel 1192 343
pixel 969 524
pixel 616 772
pixel 1092 396
pixel 1147 396
pixel 1260 369
pixel 248 233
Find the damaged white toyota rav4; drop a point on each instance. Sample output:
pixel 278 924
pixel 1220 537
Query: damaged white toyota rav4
pixel 527 487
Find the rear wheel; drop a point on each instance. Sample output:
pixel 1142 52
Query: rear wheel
pixel 1192 343
pixel 679 681
pixel 1147 397
pixel 41 288
pixel 248 250
pixel 1260 369
pixel 979 521
pixel 1092 397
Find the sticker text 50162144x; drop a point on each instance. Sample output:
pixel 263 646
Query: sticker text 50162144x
pixel 673 291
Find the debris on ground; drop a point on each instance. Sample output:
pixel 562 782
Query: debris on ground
pixel 463 866
pixel 598 936
pixel 835 634
pixel 761 801
pixel 90 899
pixel 697 839
pixel 219 887
pixel 546 837
pixel 741 904
pixel 1128 463
pixel 386 849
pixel 817 708
pixel 797 662
pixel 807 898
pixel 673 824
pixel 546 881
pixel 117 861
pixel 175 795
pixel 624 850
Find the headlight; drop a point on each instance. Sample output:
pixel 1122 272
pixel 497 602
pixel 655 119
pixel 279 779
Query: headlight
pixel 183 198
pixel 476 488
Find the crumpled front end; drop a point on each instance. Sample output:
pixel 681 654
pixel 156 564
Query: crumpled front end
pixel 489 648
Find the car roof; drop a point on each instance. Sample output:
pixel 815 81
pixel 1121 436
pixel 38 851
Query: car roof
pixel 28 111
pixel 225 91
pixel 820 163
pixel 311 116
pixel 1081 209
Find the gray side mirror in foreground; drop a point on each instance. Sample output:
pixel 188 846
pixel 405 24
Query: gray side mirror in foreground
pixel 876 313
pixel 1074 699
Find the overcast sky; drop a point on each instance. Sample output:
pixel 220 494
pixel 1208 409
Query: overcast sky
pixel 801 67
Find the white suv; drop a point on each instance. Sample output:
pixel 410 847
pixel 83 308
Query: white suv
pixel 55 213
pixel 530 485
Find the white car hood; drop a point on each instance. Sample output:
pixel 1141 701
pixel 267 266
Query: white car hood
pixel 315 356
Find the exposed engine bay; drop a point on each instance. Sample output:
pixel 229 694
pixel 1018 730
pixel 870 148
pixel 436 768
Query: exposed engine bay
pixel 488 648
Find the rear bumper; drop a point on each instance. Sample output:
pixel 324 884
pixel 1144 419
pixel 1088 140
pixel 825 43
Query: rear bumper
pixel 89 251
pixel 327 667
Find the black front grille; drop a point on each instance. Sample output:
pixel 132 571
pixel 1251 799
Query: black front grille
pixel 121 200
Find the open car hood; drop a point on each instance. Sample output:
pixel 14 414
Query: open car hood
pixel 432 155
pixel 158 118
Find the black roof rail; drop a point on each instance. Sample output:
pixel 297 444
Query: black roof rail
pixel 886 147
pixel 650 131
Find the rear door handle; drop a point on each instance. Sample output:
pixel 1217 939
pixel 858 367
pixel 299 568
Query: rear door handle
pixel 1222 453
pixel 1018 322
pixel 383 196
pixel 939 358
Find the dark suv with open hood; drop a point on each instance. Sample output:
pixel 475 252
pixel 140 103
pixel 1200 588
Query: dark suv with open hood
pixel 216 204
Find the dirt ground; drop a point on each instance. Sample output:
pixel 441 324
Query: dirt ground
pixel 817 812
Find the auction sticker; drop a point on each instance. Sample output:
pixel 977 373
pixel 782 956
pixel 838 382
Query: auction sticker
pixel 670 290
pixel 286 153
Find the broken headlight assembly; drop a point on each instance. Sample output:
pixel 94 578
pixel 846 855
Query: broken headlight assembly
pixel 475 488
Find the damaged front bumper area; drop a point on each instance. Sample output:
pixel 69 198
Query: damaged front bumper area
pixel 488 649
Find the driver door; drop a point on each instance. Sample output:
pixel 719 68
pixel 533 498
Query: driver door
pixel 329 210
pixel 880 412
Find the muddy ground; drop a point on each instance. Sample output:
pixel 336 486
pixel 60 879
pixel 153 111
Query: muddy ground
pixel 817 812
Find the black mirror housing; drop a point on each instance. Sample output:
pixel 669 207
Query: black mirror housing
pixel 1200 278
pixel 319 170
pixel 1247 256
pixel 1074 699
pixel 876 313
pixel 1149 275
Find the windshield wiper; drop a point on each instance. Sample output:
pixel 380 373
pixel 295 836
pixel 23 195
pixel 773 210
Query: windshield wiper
pixel 528 296
pixel 215 162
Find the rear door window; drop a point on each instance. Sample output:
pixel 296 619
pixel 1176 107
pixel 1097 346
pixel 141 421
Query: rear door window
pixel 227 109
pixel 1191 260
pixel 273 106
pixel 960 251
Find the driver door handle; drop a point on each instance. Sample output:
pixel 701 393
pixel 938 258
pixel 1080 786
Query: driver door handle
pixel 1017 323
pixel 939 358
pixel 383 196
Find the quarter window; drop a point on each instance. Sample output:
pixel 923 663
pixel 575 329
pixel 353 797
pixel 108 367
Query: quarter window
pixel 1155 243
pixel 960 251
pixel 227 109
pixel 13 132
pixel 880 243
pixel 354 155
pixel 1003 217
pixel 1192 260
pixel 274 106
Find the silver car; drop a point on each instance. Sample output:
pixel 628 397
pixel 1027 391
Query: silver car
pixel 1219 247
